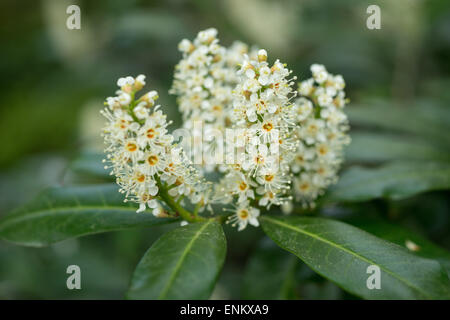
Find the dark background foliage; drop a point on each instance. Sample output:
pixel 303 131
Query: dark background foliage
pixel 53 82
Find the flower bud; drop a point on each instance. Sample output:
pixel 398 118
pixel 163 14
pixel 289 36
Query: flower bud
pixel 262 55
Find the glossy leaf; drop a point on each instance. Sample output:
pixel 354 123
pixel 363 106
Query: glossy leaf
pixel 396 180
pixel 342 254
pixel 183 264
pixel 419 245
pixel 424 120
pixel 90 163
pixel 66 212
pixel 371 147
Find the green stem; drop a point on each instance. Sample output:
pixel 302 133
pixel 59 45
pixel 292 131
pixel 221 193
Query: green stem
pixel 186 215
pixel 131 108
pixel 197 207
pixel 179 199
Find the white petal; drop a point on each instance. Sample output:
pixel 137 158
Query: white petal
pixel 152 204
pixel 250 73
pixel 263 80
pixel 252 117
pixel 263 201
pixel 253 222
pixel 173 192
pixel 153 190
pixel 141 208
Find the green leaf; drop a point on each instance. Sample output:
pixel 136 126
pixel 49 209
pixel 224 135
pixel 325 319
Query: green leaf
pixel 276 267
pixel 183 264
pixel 401 236
pixel 396 180
pixel 370 147
pixel 424 120
pixel 342 253
pixel 90 163
pixel 67 212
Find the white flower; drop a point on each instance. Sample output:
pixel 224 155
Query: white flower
pixel 324 99
pixel 153 132
pixel 316 68
pixel 124 99
pixel 264 76
pixel 305 87
pixel 151 204
pixel 243 188
pixel 269 198
pixel 262 55
pixel 244 215
pixel 207 35
pixel 139 83
pixel 319 72
pixel 185 46
pixel 304 109
pixel 273 180
pixel 141 111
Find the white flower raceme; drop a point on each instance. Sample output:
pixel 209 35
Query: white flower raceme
pixel 287 145
pixel 263 114
pixel 203 81
pixel 140 151
pixel 322 134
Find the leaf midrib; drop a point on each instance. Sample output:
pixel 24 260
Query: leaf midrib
pixel 347 251
pixel 177 268
pixel 8 220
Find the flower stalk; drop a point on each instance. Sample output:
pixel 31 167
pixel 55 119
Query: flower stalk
pixel 174 205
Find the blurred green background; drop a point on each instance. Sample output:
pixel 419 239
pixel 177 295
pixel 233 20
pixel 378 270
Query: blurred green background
pixel 53 82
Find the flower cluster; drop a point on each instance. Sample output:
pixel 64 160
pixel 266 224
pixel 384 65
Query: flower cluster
pixel 140 151
pixel 322 134
pixel 203 81
pixel 263 117
pixel 202 84
pixel 282 145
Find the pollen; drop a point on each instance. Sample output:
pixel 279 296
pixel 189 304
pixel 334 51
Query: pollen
pixel 131 146
pixel 243 186
pixel 259 159
pixel 152 160
pixel 268 126
pixel 150 133
pixel 243 214
pixel 179 181
pixel 312 128
pixel 123 124
pixel 323 150
pixel 304 186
